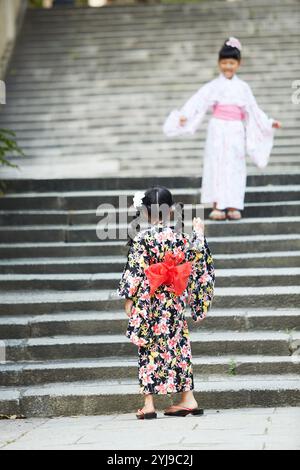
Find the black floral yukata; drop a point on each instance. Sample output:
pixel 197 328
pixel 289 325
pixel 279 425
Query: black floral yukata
pixel 157 324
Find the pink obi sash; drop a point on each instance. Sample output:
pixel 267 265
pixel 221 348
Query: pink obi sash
pixel 229 112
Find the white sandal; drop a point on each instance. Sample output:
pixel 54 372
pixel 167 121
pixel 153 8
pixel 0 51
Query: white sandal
pixel 234 215
pixel 217 214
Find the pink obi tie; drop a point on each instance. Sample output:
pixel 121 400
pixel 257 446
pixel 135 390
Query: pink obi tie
pixel 229 112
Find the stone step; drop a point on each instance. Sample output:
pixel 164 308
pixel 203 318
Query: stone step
pixel 39 84
pixel 285 161
pixel 23 126
pixel 165 91
pixel 121 396
pixel 31 146
pixel 211 28
pixel 191 21
pixel 259 77
pixel 89 268
pixel 83 233
pixel 90 200
pixel 158 109
pixel 204 7
pixel 132 86
pixel 138 76
pixel 47 301
pixel 88 216
pixel 112 187
pixel 110 163
pixel 102 49
pixel 204 343
pixel 91 110
pixel 106 166
pixel 44 137
pixel 270 95
pixel 285 154
pixel 168 64
pixel 251 277
pixel 230 246
pixel 134 58
pixel 167 14
pixel 90 116
pixel 214 29
pixel 113 368
pixel 92 323
pixel 136 72
pixel 284 145
pixel 126 10
pixel 137 96
pixel 162 12
pixel 59 310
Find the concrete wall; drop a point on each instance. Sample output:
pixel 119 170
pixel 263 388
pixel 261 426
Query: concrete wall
pixel 9 14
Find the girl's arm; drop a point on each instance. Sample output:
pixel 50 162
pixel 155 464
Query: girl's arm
pixel 202 280
pixel 128 306
pixel 188 118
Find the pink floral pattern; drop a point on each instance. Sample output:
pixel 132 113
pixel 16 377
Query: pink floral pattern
pixel 157 324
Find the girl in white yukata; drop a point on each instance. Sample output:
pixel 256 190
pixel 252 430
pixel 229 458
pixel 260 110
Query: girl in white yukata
pixel 237 127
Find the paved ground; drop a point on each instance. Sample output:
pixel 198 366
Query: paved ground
pixel 272 428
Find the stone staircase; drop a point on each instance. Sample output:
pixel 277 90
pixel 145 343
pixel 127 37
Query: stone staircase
pixel 88 89
pixel 87 94
pixel 64 328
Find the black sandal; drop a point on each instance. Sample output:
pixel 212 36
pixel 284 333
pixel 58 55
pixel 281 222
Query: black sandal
pixel 143 415
pixel 182 411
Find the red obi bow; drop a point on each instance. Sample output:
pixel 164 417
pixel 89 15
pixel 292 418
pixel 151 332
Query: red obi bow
pixel 169 272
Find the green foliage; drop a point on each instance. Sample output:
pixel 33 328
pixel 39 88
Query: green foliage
pixel 8 146
pixel 36 3
pixel 232 367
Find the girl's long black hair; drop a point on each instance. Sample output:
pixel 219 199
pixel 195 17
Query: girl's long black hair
pixel 229 52
pixel 154 198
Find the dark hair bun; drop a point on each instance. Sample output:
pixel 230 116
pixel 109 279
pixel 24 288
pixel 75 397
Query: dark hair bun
pixel 229 52
pixel 156 199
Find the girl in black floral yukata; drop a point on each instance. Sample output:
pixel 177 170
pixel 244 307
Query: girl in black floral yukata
pixel 166 270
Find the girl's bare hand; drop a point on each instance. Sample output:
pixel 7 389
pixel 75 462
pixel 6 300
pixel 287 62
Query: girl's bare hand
pixel 128 307
pixel 182 120
pixel 198 225
pixel 277 124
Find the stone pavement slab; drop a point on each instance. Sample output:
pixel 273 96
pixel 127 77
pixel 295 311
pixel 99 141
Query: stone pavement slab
pixel 239 429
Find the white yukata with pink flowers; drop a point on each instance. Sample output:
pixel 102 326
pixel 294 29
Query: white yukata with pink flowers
pixel 228 140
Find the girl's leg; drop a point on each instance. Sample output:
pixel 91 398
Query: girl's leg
pixel 187 400
pixel 149 406
pixel 217 214
pixel 233 213
pixel 149 402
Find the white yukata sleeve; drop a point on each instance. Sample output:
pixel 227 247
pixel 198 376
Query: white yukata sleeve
pixel 194 110
pixel 259 132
